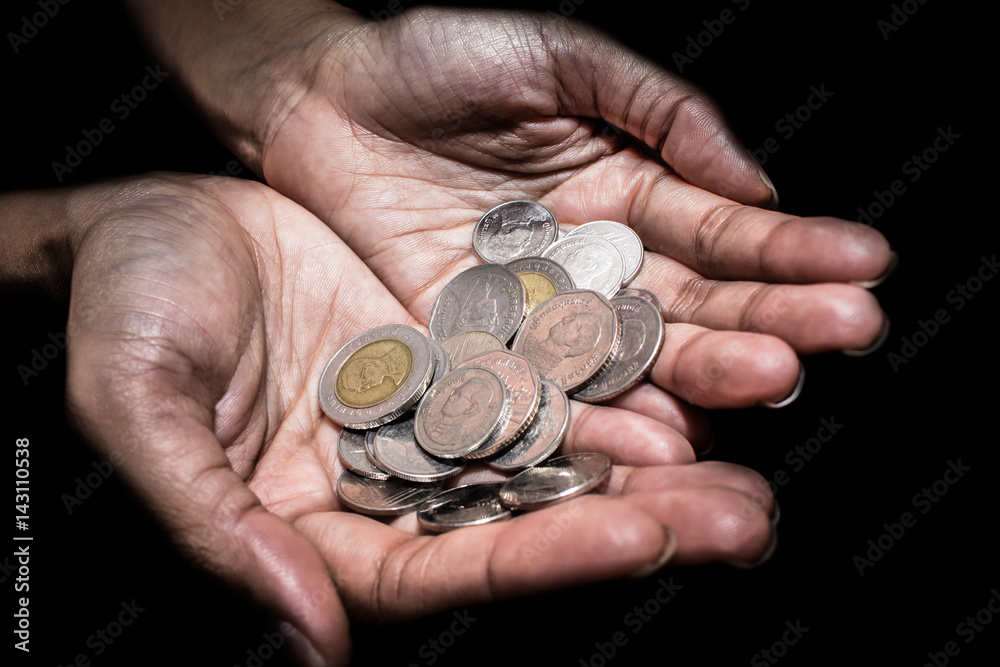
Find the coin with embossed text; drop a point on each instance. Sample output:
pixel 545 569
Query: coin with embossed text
pixel 542 438
pixel 351 448
pixel 512 230
pixel 570 337
pixel 524 394
pixel 468 344
pixel 593 262
pixel 460 412
pixel 542 278
pixel 396 451
pixel 376 376
pixel 469 505
pixel 383 497
pixel 556 480
pixel 488 297
pixel 642 338
pixel 625 239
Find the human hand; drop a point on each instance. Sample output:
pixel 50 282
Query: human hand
pixel 202 314
pixel 400 134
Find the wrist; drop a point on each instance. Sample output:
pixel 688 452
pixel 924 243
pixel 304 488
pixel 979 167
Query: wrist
pixel 244 67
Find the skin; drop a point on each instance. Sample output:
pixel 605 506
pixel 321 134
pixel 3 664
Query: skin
pixel 198 330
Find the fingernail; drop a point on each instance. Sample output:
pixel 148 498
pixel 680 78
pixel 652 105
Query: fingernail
pixel 773 203
pixel 766 556
pixel 883 335
pixel 875 282
pixel 304 651
pixel 776 515
pixel 707 449
pixel 788 400
pixel 669 549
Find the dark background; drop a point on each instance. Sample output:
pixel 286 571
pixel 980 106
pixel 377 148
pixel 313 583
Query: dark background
pixel 900 426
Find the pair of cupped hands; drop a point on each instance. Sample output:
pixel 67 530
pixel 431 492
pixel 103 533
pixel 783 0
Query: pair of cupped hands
pixel 204 309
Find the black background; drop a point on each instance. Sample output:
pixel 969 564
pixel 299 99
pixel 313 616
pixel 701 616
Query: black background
pixel 900 426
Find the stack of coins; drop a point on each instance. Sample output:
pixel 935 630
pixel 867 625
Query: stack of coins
pixel 546 317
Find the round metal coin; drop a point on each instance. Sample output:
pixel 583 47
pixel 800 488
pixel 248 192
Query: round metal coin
pixel 570 337
pixel 642 338
pixel 396 451
pixel 642 294
pixel 382 497
pixel 593 262
pixel 459 413
pixel 556 481
pixel 442 363
pixel 376 377
pixel 542 438
pixel 468 344
pixel 488 297
pixel 351 447
pixel 624 238
pixel 513 229
pixel 469 505
pixel 542 278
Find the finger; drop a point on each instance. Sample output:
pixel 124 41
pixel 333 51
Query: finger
pixel 725 369
pixel 649 400
pixel 811 318
pixel 599 78
pixel 627 438
pixel 716 237
pixel 386 574
pixel 161 440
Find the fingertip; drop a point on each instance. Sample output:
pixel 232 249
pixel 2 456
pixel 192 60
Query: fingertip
pixel 666 554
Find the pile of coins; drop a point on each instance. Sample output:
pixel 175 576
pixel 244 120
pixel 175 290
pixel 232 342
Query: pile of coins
pixel 547 316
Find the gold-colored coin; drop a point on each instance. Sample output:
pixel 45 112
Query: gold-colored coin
pixel 537 287
pixel 374 373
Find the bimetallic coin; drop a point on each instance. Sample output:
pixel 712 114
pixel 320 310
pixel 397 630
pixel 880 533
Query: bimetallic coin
pixel 488 297
pixel 376 377
pixel 383 497
pixel 642 294
pixel 468 344
pixel 442 364
pixel 524 387
pixel 396 451
pixel 469 505
pixel 542 438
pixel 556 481
pixel 542 278
pixel 459 413
pixel 593 262
pixel 570 338
pixel 351 447
pixel 513 229
pixel 624 238
pixel 642 338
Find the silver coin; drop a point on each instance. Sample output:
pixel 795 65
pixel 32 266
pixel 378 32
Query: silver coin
pixel 468 344
pixel 556 480
pixel 382 497
pixel 570 337
pixel 442 362
pixel 376 377
pixel 624 238
pixel 459 413
pixel 513 229
pixel 469 505
pixel 542 438
pixel 523 385
pixel 397 452
pixel 351 448
pixel 542 278
pixel 488 297
pixel 642 294
pixel 593 262
pixel 642 338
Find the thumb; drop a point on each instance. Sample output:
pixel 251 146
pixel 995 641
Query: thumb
pixel 160 439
